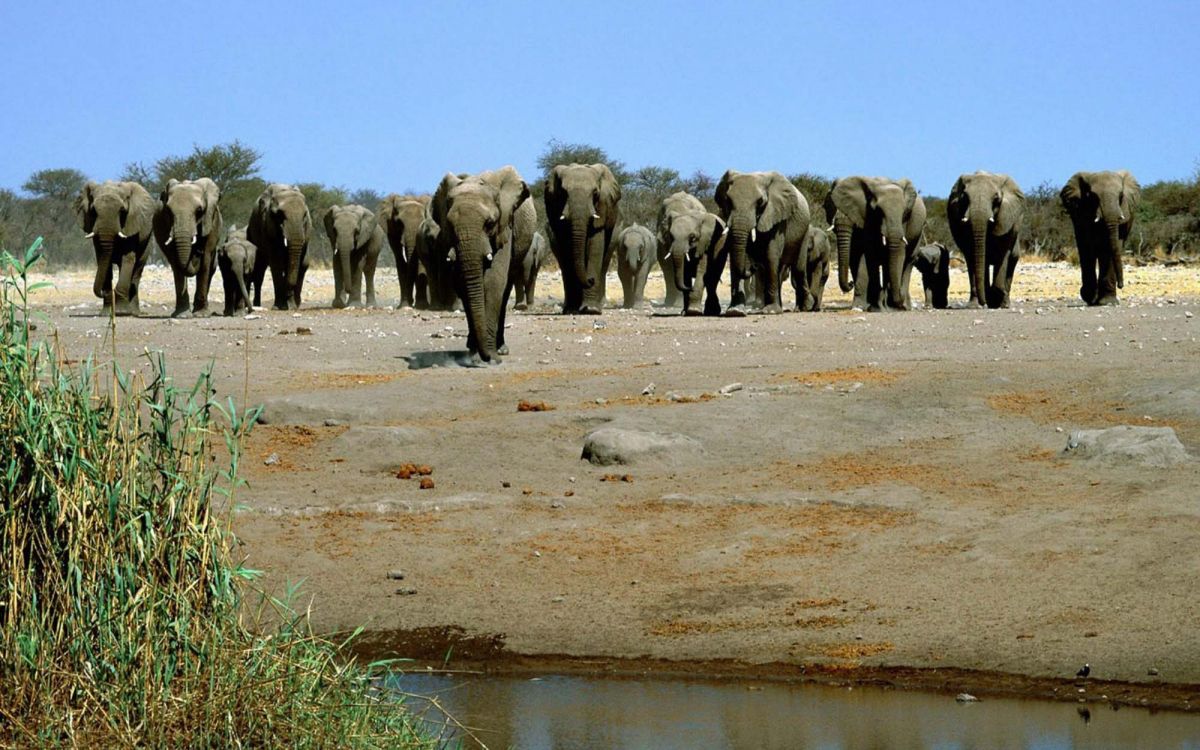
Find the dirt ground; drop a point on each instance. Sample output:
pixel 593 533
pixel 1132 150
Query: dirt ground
pixel 884 490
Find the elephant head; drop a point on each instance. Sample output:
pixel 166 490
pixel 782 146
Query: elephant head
pixel 188 216
pixel 878 207
pixel 349 228
pixel 117 217
pixel 1102 206
pixel 753 204
pixel 475 220
pixel 983 205
pixel 401 216
pixel 581 200
pixel 286 221
pixel 687 237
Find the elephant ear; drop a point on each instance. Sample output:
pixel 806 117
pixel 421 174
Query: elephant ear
pixel 553 194
pixel 1012 204
pixel 850 195
pixel 954 204
pixel 210 220
pixel 1072 193
pixel 610 191
pixel 783 202
pixel 139 219
pixel 721 196
pixel 366 225
pixel 1133 191
pixel 387 210
pixel 716 227
pixel 83 205
pixel 166 191
pixel 511 193
pixel 914 211
pixel 440 203
pixel 330 229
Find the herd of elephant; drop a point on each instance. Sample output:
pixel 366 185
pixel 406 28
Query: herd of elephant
pixel 474 240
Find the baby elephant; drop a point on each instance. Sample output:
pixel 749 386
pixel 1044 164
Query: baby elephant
pixel 235 258
pixel 636 250
pixel 811 270
pixel 539 250
pixel 933 261
pixel 357 239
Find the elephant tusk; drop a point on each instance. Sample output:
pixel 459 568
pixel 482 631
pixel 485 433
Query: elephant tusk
pixel 193 239
pixel 563 215
pixel 1096 220
pixel 965 218
pixel 830 229
pixel 884 238
pixel 991 220
pixel 725 231
pixel 89 235
pixel 1122 217
pixel 595 215
pixel 122 235
pixel 285 242
pixel 488 257
pixel 753 234
pixel 169 241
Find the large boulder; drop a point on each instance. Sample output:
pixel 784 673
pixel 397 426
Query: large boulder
pixel 615 445
pixel 1148 446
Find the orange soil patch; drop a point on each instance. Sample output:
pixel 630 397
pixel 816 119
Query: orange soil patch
pixel 1045 407
pixel 518 378
pixel 853 470
pixel 821 622
pixel 841 375
pixel 831 601
pixel 291 442
pixel 327 380
pixel 855 650
pixel 583 543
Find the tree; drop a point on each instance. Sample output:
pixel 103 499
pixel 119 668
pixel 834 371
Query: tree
pixel 814 187
pixel 61 185
pixel 559 152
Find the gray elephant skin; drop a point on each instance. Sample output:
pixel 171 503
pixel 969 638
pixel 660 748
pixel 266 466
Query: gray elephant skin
pixel 188 227
pixel 524 228
pixel 441 285
pixel 581 212
pixel 985 212
pixel 636 252
pixel 235 259
pixel 933 263
pixel 877 222
pixel 767 221
pixel 280 227
pixel 1102 207
pixel 539 251
pixel 401 217
pixel 475 217
pixel 689 239
pixel 357 239
pixel 811 270
pixel 118 217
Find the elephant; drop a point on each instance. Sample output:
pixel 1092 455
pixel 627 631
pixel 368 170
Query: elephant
pixel 1101 206
pixel 810 272
pixel 235 258
pixel 767 219
pixel 539 250
pixel 188 229
pixel 280 227
pixel 401 217
pixel 984 211
pixel 475 217
pixel 118 217
pixel 689 238
pixel 636 251
pixel 933 261
pixel 581 209
pixel 524 228
pixel 877 222
pixel 356 239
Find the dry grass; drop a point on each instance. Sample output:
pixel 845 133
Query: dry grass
pixel 855 650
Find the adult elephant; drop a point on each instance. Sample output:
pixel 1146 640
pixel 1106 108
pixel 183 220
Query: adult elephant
pixel 811 271
pixel 767 220
pixel 877 222
pixel 476 216
pixel 524 228
pixel 118 217
pixel 985 211
pixel 689 238
pixel 280 227
pixel 401 217
pixel 356 239
pixel 235 259
pixel 636 251
pixel 539 250
pixel 188 229
pixel 581 209
pixel 1101 206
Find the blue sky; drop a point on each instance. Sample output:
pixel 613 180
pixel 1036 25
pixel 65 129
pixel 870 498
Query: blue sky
pixel 390 95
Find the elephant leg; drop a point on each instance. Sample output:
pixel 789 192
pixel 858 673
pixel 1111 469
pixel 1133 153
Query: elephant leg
pixel 501 345
pixel 874 283
pixel 369 278
pixel 420 288
pixel 997 293
pixel 1106 282
pixel 671 297
pixel 858 265
pixel 279 284
pixel 1087 272
pixel 356 277
pixel 927 284
pixel 712 277
pixel 299 284
pixel 817 291
pixel 339 283
pixel 906 280
pixel 181 294
pixel 203 279
pixel 626 279
pixel 597 257
pixel 135 282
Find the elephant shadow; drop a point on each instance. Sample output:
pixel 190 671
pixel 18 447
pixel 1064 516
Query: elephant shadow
pixel 425 360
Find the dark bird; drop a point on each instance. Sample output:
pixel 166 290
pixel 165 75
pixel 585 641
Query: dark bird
pixel 1084 671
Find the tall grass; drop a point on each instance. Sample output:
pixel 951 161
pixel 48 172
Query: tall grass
pixel 120 601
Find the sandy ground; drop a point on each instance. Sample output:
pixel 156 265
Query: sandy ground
pixel 884 490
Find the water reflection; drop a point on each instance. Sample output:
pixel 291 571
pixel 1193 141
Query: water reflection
pixel 572 712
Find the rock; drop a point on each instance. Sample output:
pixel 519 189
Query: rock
pixel 405 592
pixel 271 460
pixel 296 410
pixel 426 483
pixel 1152 671
pixel 558 600
pixel 1148 446
pixel 966 698
pixel 648 390
pixel 725 390
pixel 557 505
pixel 613 445
pixel 395 575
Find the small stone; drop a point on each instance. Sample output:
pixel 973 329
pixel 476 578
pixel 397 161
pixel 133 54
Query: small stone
pixel 1152 671
pixel 966 698
pixel 252 317
pixel 271 460
pixel 303 331
pixel 569 493
pixel 601 401
pixel 426 483
pixel 648 390
pixel 333 423
pixel 396 575
pixel 405 592
pixel 725 390
pixel 558 600
pixel 506 485
pixel 558 505
pixel 537 554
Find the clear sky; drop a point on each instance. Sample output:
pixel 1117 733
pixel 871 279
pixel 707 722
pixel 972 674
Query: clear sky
pixel 390 95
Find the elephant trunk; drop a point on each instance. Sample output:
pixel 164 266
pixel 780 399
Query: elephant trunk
pixel 896 247
pixel 843 231
pixel 681 280
pixel 186 258
pixel 240 274
pixel 979 233
pixel 739 235
pixel 472 248
pixel 579 237
pixel 343 252
pixel 104 263
pixel 295 249
pixel 1118 262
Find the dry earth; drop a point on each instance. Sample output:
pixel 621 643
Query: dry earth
pixel 883 490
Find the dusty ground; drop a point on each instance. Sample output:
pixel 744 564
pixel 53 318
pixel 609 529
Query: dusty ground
pixel 884 490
